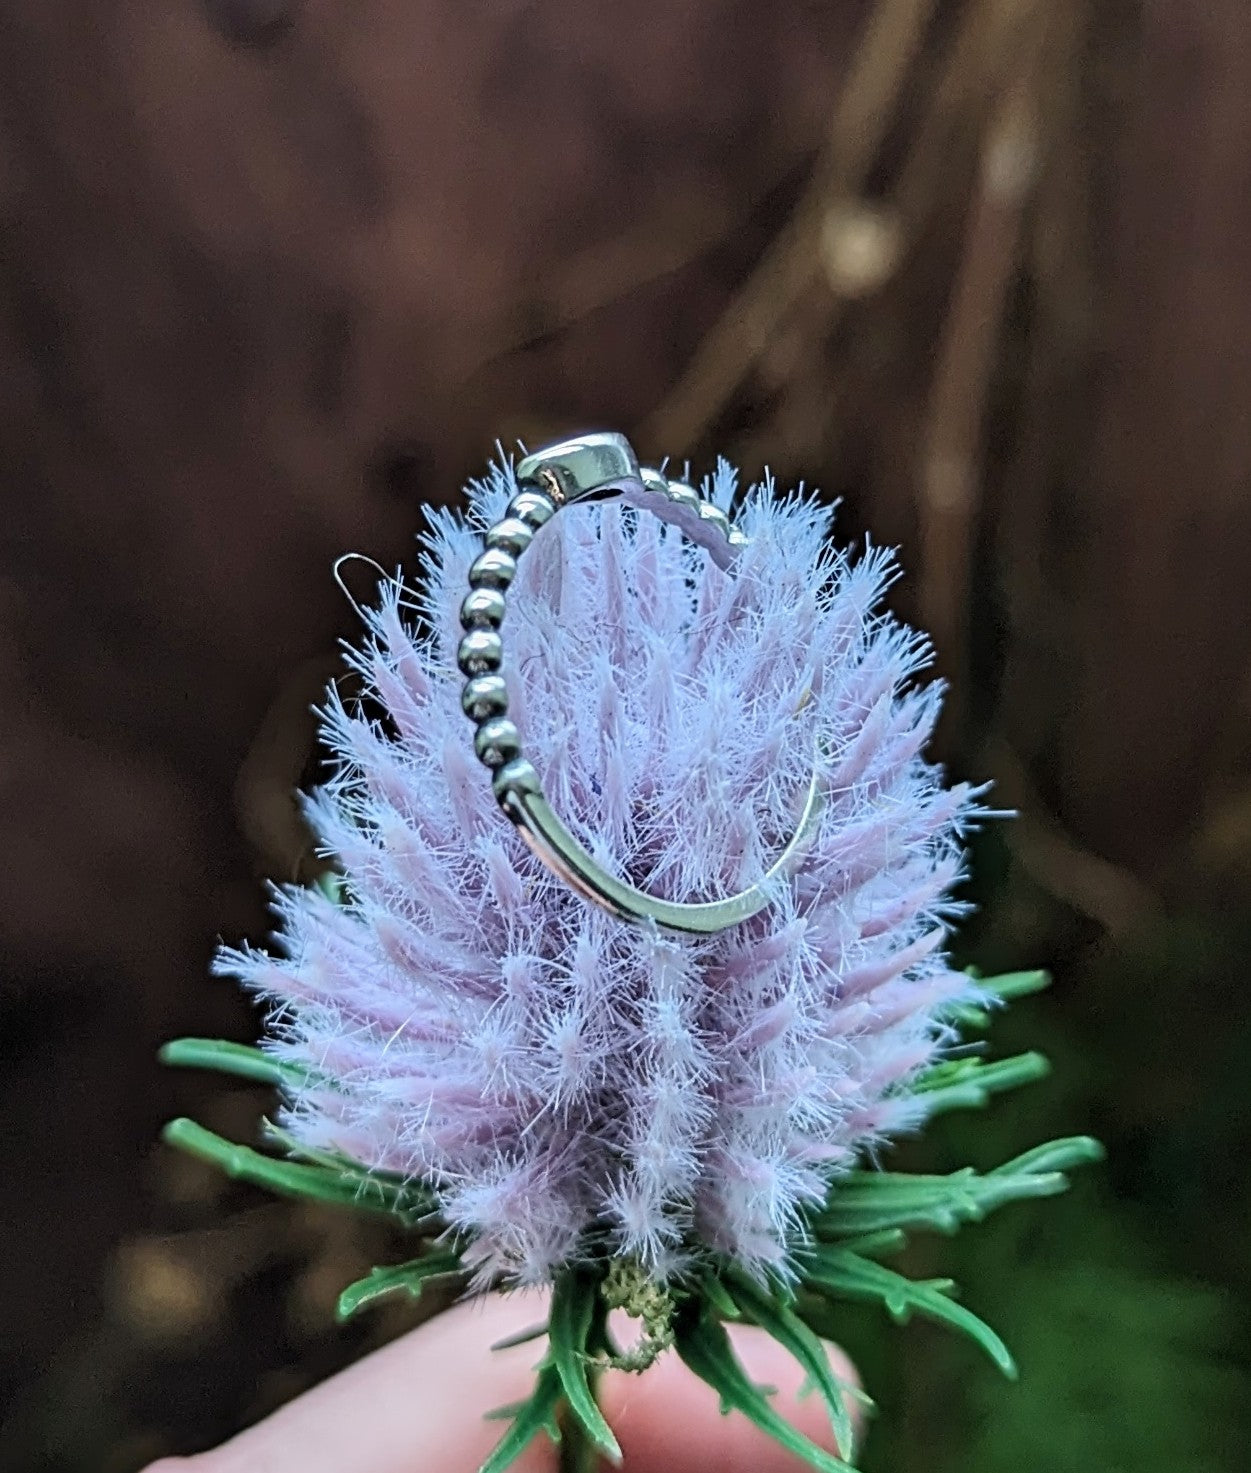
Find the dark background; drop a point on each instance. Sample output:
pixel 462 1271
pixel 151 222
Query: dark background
pixel 275 273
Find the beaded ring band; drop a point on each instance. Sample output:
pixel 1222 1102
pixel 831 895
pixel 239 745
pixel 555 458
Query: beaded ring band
pixel 592 466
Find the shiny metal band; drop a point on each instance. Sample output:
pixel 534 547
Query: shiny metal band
pixel 591 466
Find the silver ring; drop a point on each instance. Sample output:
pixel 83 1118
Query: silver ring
pixel 591 466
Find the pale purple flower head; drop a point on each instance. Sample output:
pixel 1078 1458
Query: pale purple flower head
pixel 570 1083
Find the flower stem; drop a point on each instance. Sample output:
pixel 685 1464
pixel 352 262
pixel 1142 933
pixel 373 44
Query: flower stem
pixel 578 1454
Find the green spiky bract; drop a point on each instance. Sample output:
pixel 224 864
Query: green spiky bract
pixel 866 1217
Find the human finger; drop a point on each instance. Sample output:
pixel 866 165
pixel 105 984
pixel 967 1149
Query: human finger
pixel 422 1403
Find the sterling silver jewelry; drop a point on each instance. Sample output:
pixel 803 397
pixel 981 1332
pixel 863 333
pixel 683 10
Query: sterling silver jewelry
pixel 591 466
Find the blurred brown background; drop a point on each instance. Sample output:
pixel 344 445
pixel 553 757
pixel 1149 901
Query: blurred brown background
pixel 274 273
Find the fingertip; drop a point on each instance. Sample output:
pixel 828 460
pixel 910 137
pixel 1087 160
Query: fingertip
pixel 420 1402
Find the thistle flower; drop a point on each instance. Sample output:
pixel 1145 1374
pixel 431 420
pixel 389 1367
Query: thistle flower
pixel 675 1123
pixel 566 1083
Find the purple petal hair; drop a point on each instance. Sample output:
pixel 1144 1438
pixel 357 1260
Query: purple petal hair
pixel 570 1084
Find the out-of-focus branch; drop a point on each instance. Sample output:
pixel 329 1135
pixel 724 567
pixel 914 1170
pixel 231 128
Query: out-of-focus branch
pixel 265 789
pixel 951 457
pixel 864 244
pixel 794 281
pixel 1091 885
pixel 865 108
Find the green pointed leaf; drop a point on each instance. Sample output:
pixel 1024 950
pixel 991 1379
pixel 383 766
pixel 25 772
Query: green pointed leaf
pixel 333 886
pixel 798 1339
pixel 849 1276
pixel 411 1277
pixel 408 1196
pixel 504 1413
pixel 1007 987
pixel 1054 1156
pixel 274 1135
pixel 877 1245
pixel 574 1299
pixel 238 1059
pixel 341 1188
pixel 522 1337
pixel 968 1084
pixel 705 1347
pixel 413 1198
pixel 536 1415
pixel 871 1202
pixel 878 1201
pixel 718 1297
